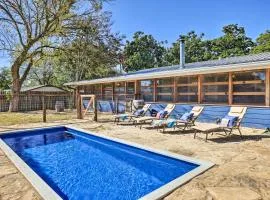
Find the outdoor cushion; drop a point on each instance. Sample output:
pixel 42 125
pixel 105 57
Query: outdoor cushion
pixel 138 112
pixel 157 123
pixel 171 123
pixel 123 116
pixel 170 106
pixel 196 109
pixel 162 114
pixel 236 109
pixel 232 120
pixel 224 122
pixel 187 116
pixel 153 112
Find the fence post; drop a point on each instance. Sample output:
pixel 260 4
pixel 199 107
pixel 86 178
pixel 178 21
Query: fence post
pixel 78 103
pixel 44 109
pixel 117 103
pixel 95 108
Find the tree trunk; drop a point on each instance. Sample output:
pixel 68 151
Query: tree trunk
pixel 17 83
pixel 15 89
pixel 15 93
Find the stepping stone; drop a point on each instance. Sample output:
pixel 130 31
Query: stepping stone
pixel 233 193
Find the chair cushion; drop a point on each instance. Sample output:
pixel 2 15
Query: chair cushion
pixel 138 112
pixel 224 122
pixel 162 114
pixel 170 106
pixel 232 120
pixel 153 112
pixel 236 109
pixel 123 116
pixel 187 116
pixel 196 108
pixel 170 123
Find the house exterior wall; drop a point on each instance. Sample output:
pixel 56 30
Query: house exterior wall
pixel 231 88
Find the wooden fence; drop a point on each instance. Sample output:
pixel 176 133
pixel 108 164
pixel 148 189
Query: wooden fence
pixel 33 101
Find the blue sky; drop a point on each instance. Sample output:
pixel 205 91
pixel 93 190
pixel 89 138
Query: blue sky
pixel 167 19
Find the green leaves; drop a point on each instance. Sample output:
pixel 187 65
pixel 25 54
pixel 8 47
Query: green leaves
pixel 194 49
pixel 234 42
pixel 146 52
pixel 5 79
pixel 262 43
pixel 143 52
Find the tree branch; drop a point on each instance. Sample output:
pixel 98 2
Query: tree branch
pixel 25 73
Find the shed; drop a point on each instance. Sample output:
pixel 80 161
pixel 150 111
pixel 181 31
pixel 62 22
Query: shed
pixel 44 89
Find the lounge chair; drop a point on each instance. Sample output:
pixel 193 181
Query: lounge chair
pixel 186 120
pixel 167 111
pixel 136 114
pixel 230 122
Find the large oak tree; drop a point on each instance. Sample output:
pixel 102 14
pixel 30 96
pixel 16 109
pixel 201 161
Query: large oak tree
pixel 30 28
pixel 143 52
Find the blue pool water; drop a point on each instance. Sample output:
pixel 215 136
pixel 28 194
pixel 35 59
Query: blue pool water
pixel 82 166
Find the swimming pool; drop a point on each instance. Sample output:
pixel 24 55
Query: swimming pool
pixel 70 163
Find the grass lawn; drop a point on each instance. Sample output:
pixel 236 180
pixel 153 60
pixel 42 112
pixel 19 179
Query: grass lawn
pixel 8 119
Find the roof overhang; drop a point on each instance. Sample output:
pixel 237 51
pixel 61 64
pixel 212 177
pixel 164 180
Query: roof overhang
pixel 179 72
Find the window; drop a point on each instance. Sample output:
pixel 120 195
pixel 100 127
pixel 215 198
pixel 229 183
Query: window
pixel 119 90
pixel 107 91
pixel 249 87
pixel 187 88
pixel 165 89
pixel 130 87
pixel 147 90
pixel 130 90
pixel 215 88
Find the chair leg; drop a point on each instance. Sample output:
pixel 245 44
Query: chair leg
pixel 206 137
pixel 163 129
pixel 240 133
pixel 195 133
pixel 184 127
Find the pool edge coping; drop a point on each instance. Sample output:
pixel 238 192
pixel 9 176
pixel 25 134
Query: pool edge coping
pixel 42 188
pixel 174 184
pixel 47 193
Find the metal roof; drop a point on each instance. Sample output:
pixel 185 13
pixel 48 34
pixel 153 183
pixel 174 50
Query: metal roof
pixel 43 88
pixel 225 64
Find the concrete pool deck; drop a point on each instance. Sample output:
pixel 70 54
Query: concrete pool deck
pixel 242 168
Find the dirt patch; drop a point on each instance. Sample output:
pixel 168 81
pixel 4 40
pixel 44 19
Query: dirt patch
pixel 239 163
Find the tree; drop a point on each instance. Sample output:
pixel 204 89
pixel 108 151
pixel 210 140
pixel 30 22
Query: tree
pixel 262 43
pixel 5 79
pixel 194 49
pixel 42 73
pixel 91 53
pixel 143 52
pixel 234 42
pixel 30 28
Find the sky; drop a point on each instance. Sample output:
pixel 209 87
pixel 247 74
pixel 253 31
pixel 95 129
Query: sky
pixel 167 19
